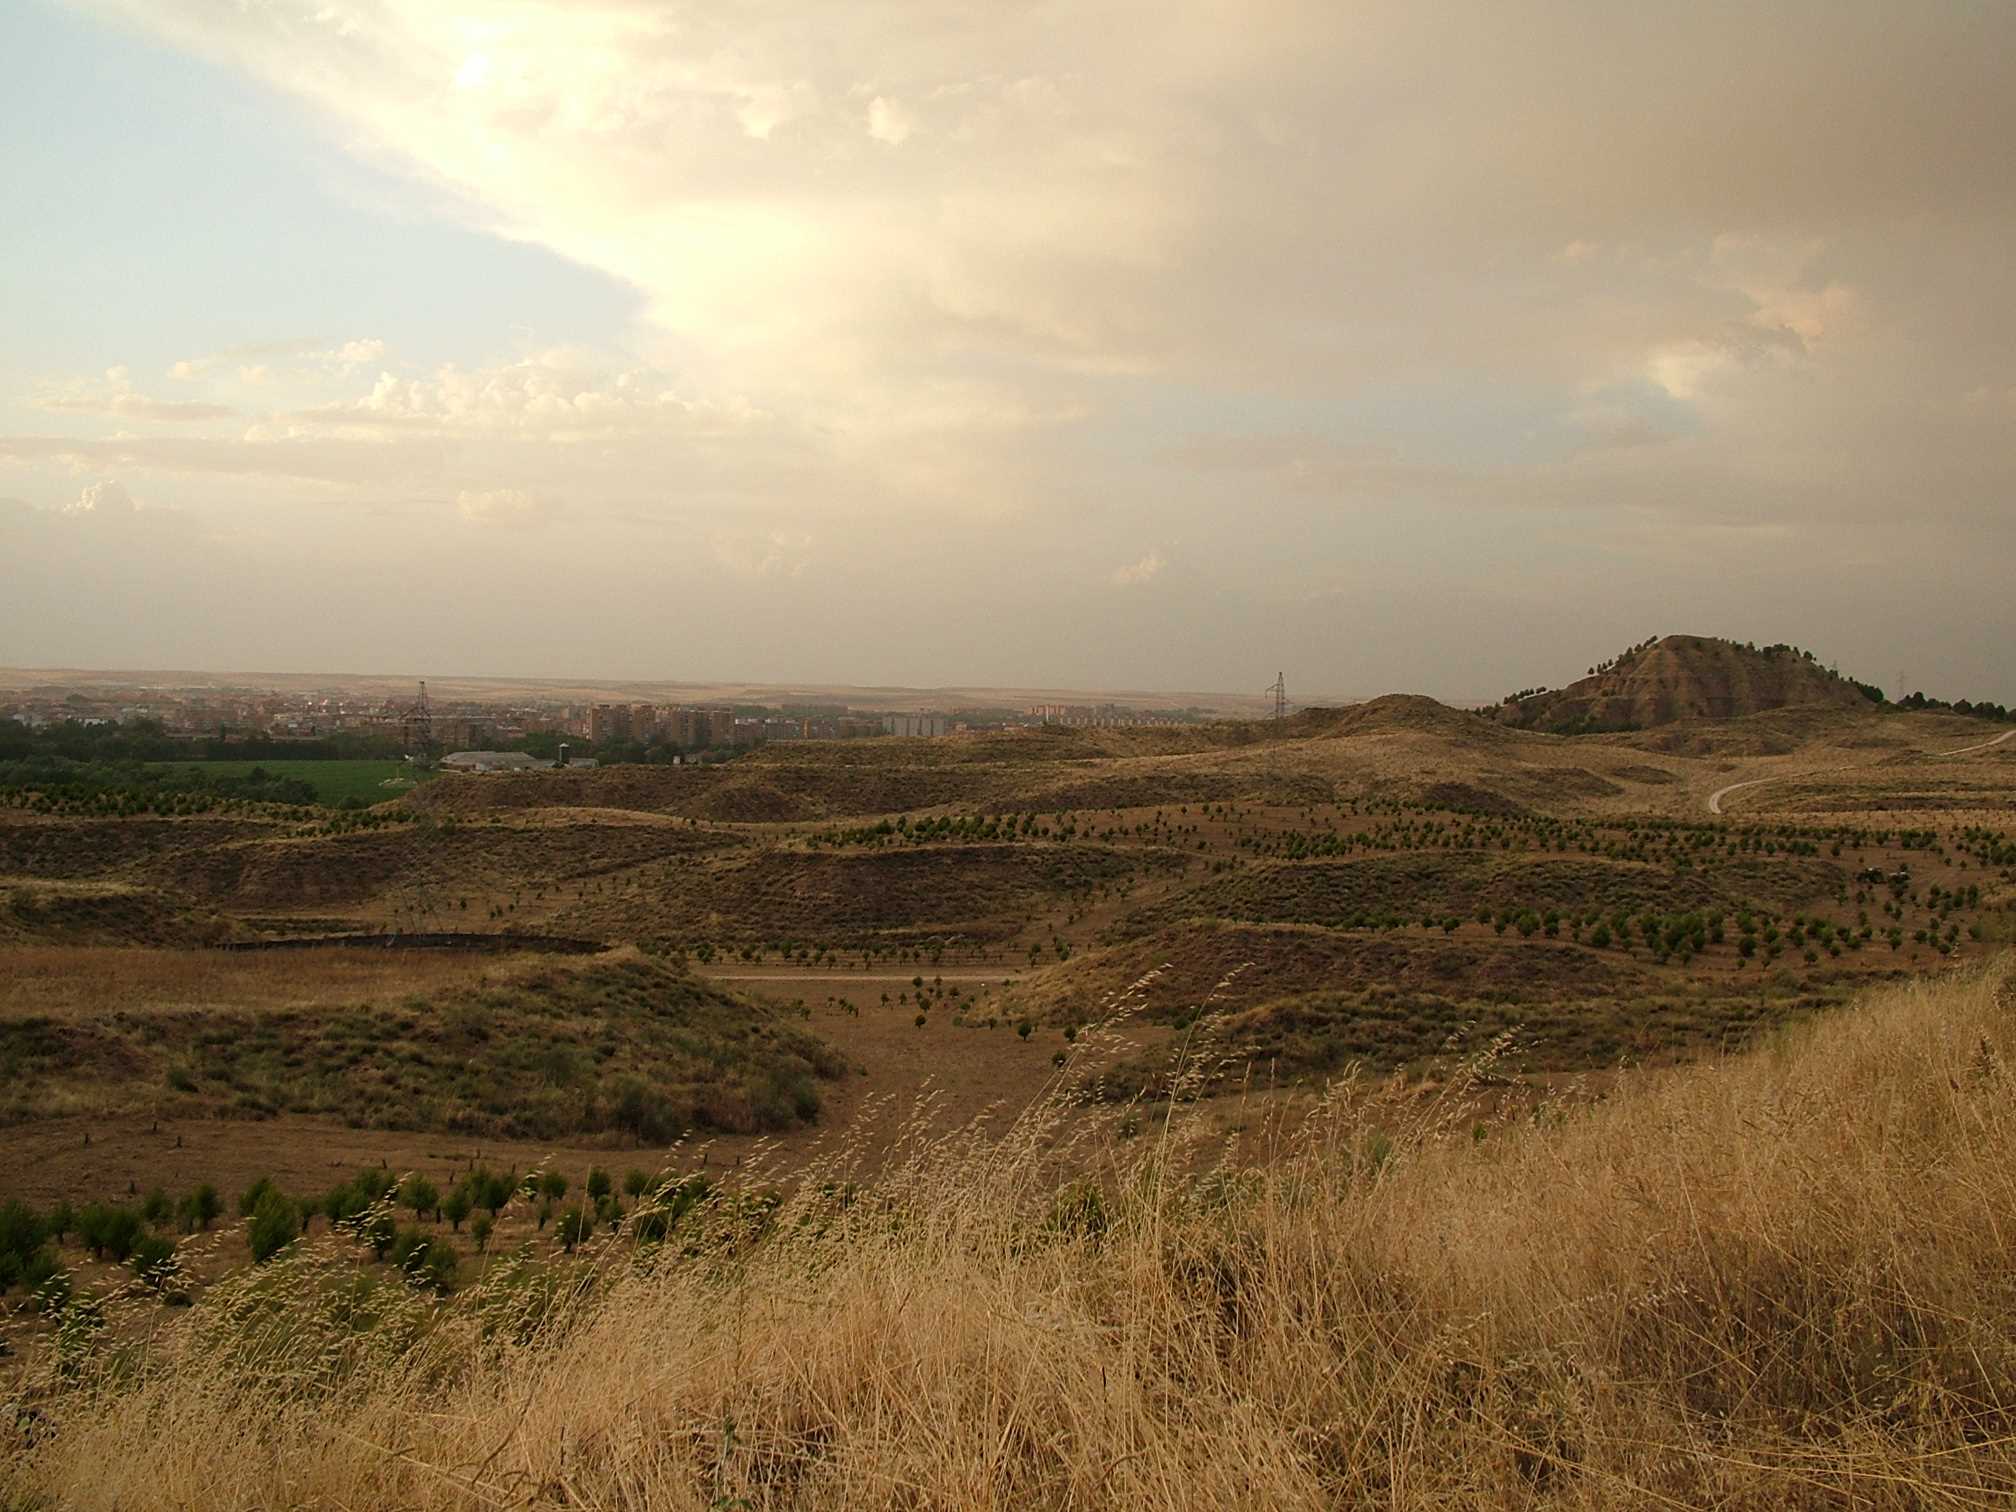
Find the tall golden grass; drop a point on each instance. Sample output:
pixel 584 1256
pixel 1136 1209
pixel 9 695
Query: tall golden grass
pixel 1786 1279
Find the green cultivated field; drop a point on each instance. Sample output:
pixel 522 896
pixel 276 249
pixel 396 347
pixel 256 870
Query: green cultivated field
pixel 333 781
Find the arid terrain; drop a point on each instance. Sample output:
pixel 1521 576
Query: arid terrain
pixel 835 956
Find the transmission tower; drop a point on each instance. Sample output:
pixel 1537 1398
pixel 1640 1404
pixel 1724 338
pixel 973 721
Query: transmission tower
pixel 1279 688
pixel 416 726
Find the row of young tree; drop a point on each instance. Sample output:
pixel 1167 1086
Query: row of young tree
pixel 104 743
pixel 368 1208
pixel 57 785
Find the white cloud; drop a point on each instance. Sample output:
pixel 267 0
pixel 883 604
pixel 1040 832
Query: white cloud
pixel 355 354
pixel 762 553
pixel 762 108
pixel 103 500
pixel 1432 263
pixel 889 122
pixel 1134 574
pixel 115 397
pixel 136 407
pixel 503 506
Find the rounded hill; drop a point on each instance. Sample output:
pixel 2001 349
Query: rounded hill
pixel 1680 677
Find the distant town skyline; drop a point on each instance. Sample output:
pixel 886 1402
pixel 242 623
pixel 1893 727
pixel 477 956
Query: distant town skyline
pixel 1396 348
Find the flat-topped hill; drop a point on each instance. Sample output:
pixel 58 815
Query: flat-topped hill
pixel 1683 677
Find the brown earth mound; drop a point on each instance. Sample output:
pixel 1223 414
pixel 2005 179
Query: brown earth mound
pixel 1398 711
pixel 749 791
pixel 1683 677
pixel 351 869
pixel 98 914
pixel 70 847
pixel 1185 971
pixel 968 894
pixel 627 1049
pixel 1343 893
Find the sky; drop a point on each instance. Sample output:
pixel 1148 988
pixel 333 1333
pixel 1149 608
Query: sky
pixel 1097 343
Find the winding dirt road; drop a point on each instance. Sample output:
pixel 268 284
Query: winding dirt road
pixel 1715 798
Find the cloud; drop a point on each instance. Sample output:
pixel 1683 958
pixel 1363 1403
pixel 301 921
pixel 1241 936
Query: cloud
pixel 138 407
pixel 1334 296
pixel 256 362
pixel 103 500
pixel 503 506
pixel 762 553
pixel 889 122
pixel 114 396
pixel 355 354
pixel 1134 574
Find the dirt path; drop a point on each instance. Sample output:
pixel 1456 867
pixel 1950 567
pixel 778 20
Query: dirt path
pixel 1715 798
pixel 1985 745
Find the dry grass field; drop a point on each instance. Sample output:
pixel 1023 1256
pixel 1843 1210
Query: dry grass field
pixel 1772 1281
pixel 1067 1056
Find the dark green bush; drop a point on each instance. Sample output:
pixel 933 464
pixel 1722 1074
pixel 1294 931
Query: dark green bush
pixel 426 1262
pixel 276 1223
pixel 153 1260
pixel 575 1225
pixel 110 1233
pixel 421 1195
pixel 252 1196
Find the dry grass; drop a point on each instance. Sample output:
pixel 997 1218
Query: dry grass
pixel 1774 1281
pixel 64 980
pixel 528 1050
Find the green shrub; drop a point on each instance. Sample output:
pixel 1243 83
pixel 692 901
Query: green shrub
pixel 110 1233
pixel 456 1206
pixel 344 1205
pixel 373 1183
pixel 276 1223
pixel 575 1225
pixel 492 1191
pixel 44 1279
pixel 153 1260
pixel 480 1231
pixel 23 1240
pixel 421 1195
pixel 425 1262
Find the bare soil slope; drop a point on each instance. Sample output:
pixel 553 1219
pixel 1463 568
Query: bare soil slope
pixel 1683 677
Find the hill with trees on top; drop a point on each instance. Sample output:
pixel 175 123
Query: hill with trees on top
pixel 1661 681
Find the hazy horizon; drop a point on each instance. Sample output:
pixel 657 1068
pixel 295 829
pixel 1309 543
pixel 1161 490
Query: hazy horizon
pixel 1104 347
